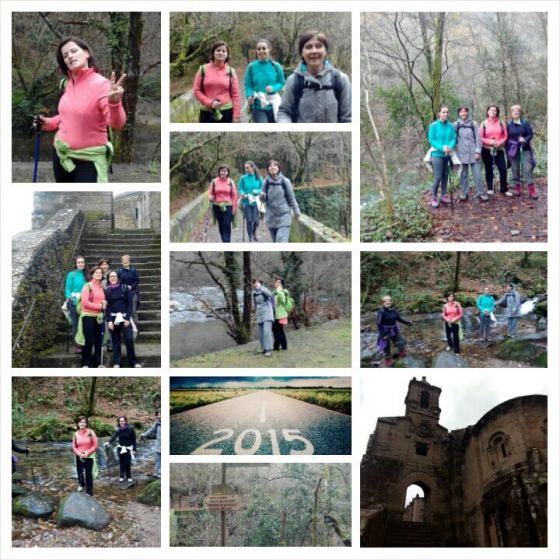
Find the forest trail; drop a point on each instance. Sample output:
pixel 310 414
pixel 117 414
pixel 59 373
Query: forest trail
pixel 501 219
pixel 206 231
pixel 327 345
pixel 319 431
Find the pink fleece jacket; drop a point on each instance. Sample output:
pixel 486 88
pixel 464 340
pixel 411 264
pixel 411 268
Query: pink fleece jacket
pixel 221 191
pixel 216 86
pixel 84 441
pixel 92 298
pixel 492 129
pixel 452 311
pixel 84 112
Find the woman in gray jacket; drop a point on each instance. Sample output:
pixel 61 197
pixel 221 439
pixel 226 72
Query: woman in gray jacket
pixel 316 92
pixel 280 200
pixel 512 300
pixel 264 310
pixel 468 150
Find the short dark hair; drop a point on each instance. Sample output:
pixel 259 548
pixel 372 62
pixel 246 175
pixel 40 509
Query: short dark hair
pixel 461 108
pixel 496 107
pixel 308 35
pixel 270 162
pixel 80 418
pixel 121 416
pixel 101 261
pixel 281 280
pixel 93 269
pixel 215 46
pixel 82 44
pixel 226 167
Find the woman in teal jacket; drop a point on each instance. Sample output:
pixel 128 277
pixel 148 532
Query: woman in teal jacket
pixel 263 76
pixel 75 281
pixel 442 138
pixel 250 187
pixel 485 304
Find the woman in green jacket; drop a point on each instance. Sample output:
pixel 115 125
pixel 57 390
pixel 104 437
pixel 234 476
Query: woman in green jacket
pixel 249 188
pixel 442 138
pixel 75 281
pixel 485 305
pixel 280 315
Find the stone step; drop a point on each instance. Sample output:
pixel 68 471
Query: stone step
pixel 131 248
pixel 144 258
pixel 412 534
pixel 144 335
pixel 148 354
pixel 146 325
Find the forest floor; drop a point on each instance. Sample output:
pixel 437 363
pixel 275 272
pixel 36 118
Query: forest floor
pixel 327 345
pixel 501 219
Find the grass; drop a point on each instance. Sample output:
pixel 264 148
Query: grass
pixel 185 399
pixel 339 400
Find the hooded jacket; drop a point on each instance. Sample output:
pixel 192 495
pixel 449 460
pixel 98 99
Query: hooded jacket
pixel 280 201
pixel 262 298
pixel 468 140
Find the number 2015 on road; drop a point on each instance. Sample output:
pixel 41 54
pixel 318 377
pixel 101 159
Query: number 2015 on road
pixel 227 434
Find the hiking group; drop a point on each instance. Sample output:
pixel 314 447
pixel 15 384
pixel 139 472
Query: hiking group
pixel 315 91
pixel 271 199
pixel 389 331
pixel 272 310
pixel 465 145
pixel 89 107
pixel 101 307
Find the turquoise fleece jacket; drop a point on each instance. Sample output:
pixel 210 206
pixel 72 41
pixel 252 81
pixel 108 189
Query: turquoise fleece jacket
pixel 249 184
pixel 75 281
pixel 486 302
pixel 439 135
pixel 262 73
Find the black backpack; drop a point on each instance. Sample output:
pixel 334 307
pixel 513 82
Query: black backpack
pixel 301 84
pixel 282 182
pixel 202 71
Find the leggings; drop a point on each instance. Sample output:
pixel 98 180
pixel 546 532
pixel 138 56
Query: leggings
pixel 117 334
pixel 92 334
pixel 279 335
pixel 224 220
pixel 85 476
pixel 440 165
pixel 262 115
pixel 124 464
pixel 452 335
pixel 500 160
pixel 85 171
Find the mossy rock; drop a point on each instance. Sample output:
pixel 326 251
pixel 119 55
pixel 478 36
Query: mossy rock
pixel 425 303
pixel 101 428
pixel 520 351
pixel 33 505
pixel 409 362
pixel 541 309
pixel 17 477
pixel 151 495
pixel 19 490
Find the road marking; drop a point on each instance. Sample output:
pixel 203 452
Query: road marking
pixel 263 412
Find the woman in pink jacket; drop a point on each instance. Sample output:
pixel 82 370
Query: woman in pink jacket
pixel 452 313
pixel 223 197
pixel 493 133
pixel 217 89
pixel 88 106
pixel 92 318
pixel 84 445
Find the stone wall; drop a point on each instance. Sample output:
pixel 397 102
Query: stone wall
pixel 185 220
pixel 40 261
pixel 149 210
pixel 308 230
pixel 126 210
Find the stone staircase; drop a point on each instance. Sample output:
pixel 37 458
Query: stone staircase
pixel 144 248
pixel 412 534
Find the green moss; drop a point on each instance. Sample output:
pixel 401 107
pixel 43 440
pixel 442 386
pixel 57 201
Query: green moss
pixel 520 351
pixel 542 360
pixel 151 495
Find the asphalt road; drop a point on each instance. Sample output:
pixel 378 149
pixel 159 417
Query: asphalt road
pixel 262 423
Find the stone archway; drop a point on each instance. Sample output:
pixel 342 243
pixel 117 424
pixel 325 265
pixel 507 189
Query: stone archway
pixel 426 484
pixel 415 503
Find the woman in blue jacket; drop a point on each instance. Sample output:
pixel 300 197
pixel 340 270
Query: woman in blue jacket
pixel 263 76
pixel 75 281
pixel 250 187
pixel 442 138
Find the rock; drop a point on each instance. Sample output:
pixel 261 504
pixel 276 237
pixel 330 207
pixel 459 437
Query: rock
pixel 409 362
pixel 542 324
pixel 82 510
pixel 151 495
pixel 540 335
pixel 17 476
pixel 33 505
pixel 367 354
pixel 520 350
pixel 449 360
pixel 19 490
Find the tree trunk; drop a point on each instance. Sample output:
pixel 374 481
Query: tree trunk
pixel 457 276
pixel 247 291
pixel 437 62
pixel 90 410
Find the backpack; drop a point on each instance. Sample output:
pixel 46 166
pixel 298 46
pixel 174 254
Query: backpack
pixel 301 84
pixel 282 182
pixel 202 70
pixel 277 67
pixel 484 127
pixel 90 298
pixel 290 303
pixel 471 126
pixel 214 187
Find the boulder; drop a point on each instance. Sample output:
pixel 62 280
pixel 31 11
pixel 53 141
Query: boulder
pixel 449 360
pixel 520 350
pixel 409 362
pixel 17 477
pixel 19 490
pixel 82 510
pixel 151 494
pixel 33 505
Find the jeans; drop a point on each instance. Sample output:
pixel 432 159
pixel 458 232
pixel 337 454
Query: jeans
pixel 252 217
pixel 224 220
pixel 117 334
pixel 92 334
pixel 280 235
pixel 500 160
pixel 85 476
pixel 208 116
pixel 265 335
pixel 85 171
pixel 512 325
pixel 527 168
pixel 452 335
pixel 158 463
pixel 485 322
pixel 476 171
pixel 440 165
pixel 262 116
pixel 280 340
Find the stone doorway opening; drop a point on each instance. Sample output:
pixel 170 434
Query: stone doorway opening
pixel 416 501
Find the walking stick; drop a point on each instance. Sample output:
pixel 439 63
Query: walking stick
pixel 108 465
pixel 521 170
pixel 206 223
pixel 450 174
pixel 32 469
pixel 243 226
pixel 36 154
pixel 493 164
pixel 102 338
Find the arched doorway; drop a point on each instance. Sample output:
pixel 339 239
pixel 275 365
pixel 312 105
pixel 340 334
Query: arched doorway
pixel 416 502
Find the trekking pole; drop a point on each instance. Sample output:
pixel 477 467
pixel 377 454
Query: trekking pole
pixel 243 227
pixel 102 340
pixel 521 170
pixel 450 172
pixel 36 155
pixel 30 465
pixel 206 223
pixel 108 464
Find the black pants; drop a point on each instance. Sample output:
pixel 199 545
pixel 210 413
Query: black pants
pixel 119 333
pixel 85 171
pixel 452 334
pixel 124 464
pixel 398 340
pixel 85 476
pixel 279 335
pixel 500 160
pixel 224 220
pixel 262 116
pixel 208 116
pixel 92 334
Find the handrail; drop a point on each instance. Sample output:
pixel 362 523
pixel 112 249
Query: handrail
pixel 34 301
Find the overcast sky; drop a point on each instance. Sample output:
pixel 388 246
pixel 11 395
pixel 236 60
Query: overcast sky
pixel 465 397
pixel 236 382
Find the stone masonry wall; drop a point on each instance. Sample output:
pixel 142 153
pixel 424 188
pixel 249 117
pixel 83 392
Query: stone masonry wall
pixel 126 210
pixel 149 215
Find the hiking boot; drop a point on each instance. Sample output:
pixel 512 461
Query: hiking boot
pixel 507 193
pixel 268 354
pixel 490 191
pixel 117 365
pixel 80 488
pixel 446 199
pixel 100 366
pixel 138 365
pixel 129 480
pixel 448 348
pixel 532 191
pixel 121 479
pixel 483 197
pixel 463 197
pixel 435 203
pixel 518 189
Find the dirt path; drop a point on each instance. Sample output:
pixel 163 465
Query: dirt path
pixel 501 219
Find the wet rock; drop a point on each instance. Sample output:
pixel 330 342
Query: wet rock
pixel 542 324
pixel 33 505
pixel 367 354
pixel 82 510
pixel 410 362
pixel 151 495
pixel 541 335
pixel 521 350
pixel 19 490
pixel 449 360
